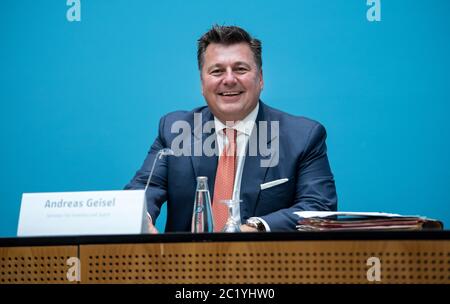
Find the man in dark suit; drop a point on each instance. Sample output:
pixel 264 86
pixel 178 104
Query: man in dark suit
pixel 274 162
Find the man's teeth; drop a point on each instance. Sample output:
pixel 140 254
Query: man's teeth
pixel 230 93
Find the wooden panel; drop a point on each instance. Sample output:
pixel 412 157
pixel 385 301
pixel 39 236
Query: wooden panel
pixel 266 262
pixel 35 264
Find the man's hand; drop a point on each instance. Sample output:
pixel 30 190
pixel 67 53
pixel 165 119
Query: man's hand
pixel 247 228
pixel 151 228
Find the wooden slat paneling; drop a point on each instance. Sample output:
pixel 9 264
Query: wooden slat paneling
pixel 36 264
pixel 296 262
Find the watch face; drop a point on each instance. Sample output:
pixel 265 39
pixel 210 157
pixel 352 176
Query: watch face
pixel 251 223
pixel 261 227
pixel 256 224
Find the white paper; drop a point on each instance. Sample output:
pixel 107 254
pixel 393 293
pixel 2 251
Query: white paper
pixel 309 214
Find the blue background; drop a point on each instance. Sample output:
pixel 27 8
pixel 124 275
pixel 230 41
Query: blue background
pixel 80 101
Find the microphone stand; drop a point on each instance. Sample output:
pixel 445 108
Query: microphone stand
pixel 163 152
pixel 159 155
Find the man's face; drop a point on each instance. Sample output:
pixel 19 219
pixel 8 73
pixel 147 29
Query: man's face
pixel 231 81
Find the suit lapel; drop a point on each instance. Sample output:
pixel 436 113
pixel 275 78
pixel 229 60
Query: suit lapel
pixel 253 174
pixel 204 165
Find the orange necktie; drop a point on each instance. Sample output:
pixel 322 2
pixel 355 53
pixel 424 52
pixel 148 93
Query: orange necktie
pixel 224 183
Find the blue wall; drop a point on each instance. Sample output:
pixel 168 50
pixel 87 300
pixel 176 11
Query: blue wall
pixel 80 101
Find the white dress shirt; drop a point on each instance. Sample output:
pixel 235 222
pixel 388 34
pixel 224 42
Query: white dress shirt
pixel 244 130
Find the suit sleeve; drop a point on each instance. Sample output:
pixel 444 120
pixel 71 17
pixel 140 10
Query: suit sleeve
pixel 315 187
pixel 157 191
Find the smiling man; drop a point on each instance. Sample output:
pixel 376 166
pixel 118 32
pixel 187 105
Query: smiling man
pixel 230 65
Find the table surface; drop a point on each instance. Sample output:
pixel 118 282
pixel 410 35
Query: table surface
pixel 225 237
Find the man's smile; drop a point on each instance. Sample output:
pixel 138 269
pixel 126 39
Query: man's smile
pixel 230 93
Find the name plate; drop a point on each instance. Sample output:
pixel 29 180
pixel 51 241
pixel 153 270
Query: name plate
pixel 83 213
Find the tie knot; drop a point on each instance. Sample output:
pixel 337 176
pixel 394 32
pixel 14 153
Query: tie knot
pixel 231 135
pixel 230 146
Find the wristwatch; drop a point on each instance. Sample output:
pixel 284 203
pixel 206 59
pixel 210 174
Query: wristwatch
pixel 256 223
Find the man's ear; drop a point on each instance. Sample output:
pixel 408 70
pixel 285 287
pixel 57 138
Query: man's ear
pixel 201 83
pixel 261 79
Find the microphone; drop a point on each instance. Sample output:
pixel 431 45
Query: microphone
pixel 148 219
pixel 159 155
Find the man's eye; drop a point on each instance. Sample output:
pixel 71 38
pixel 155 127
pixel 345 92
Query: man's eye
pixel 216 72
pixel 241 70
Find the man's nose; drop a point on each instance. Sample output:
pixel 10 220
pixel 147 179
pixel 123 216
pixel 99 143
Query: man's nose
pixel 229 78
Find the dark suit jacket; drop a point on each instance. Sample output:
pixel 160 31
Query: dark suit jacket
pixel 302 159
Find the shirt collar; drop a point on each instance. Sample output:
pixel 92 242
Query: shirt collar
pixel 244 126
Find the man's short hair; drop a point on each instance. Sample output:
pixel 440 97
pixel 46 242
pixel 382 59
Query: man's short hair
pixel 228 35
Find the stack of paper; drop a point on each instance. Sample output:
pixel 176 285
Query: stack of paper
pixel 335 221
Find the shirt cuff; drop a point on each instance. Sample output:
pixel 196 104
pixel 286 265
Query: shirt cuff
pixel 264 223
